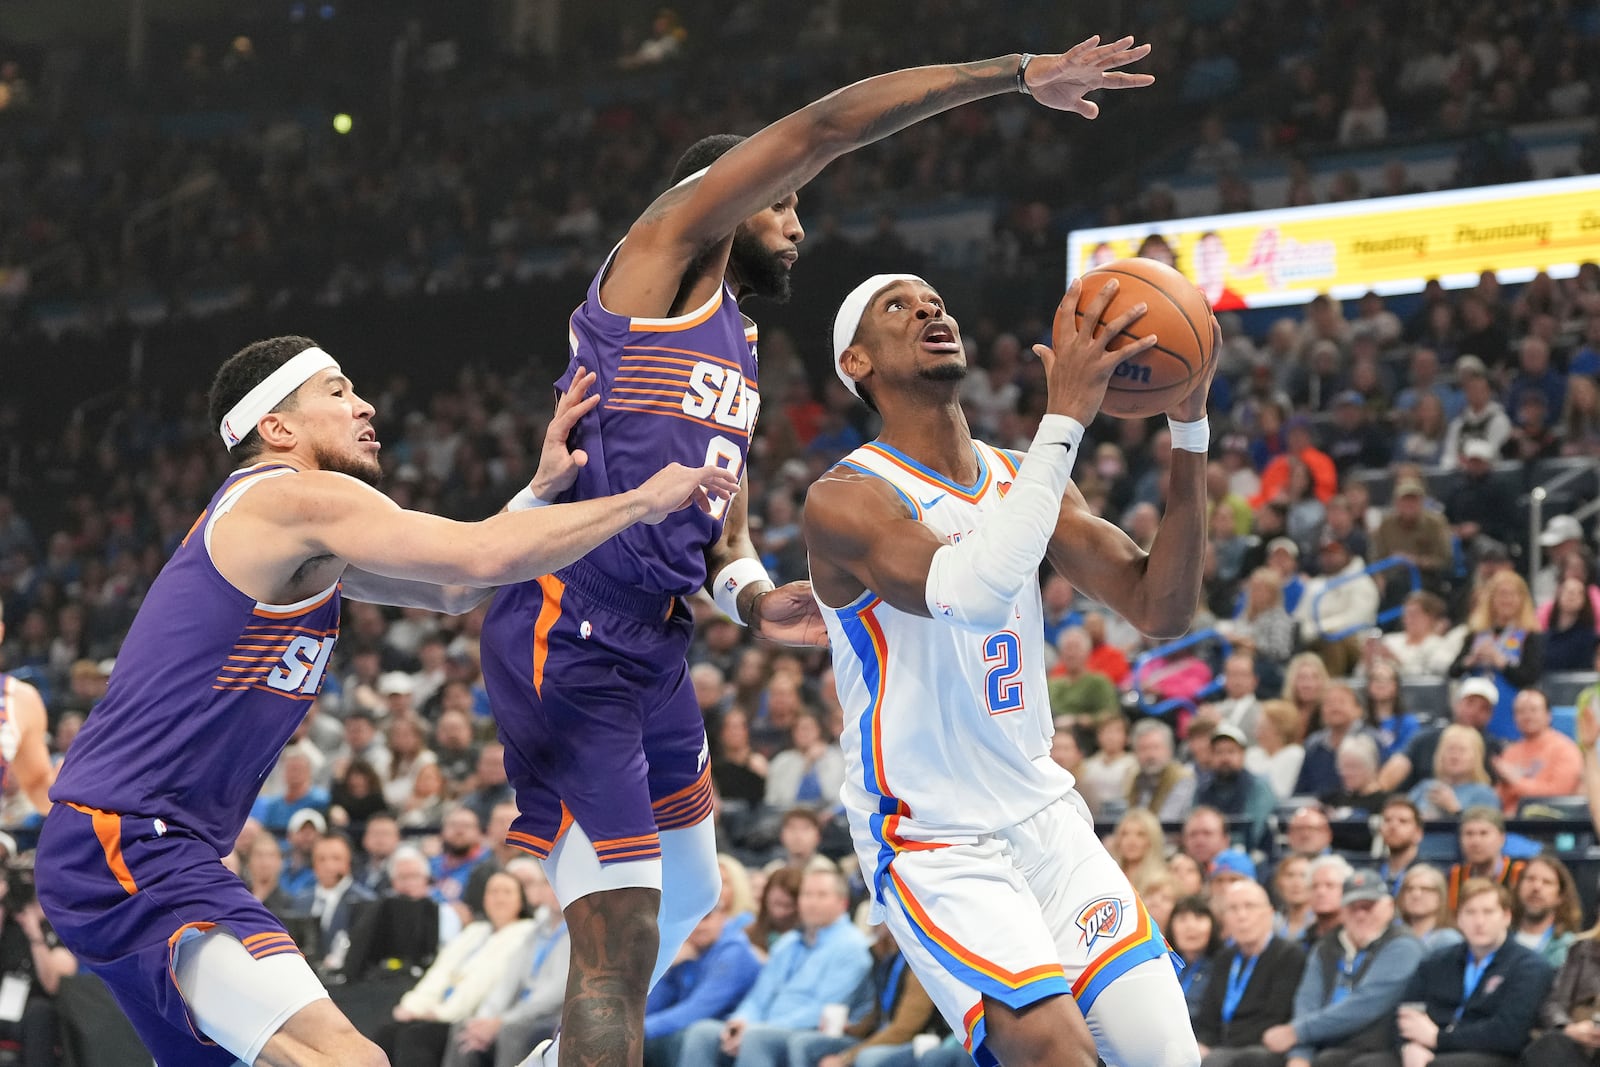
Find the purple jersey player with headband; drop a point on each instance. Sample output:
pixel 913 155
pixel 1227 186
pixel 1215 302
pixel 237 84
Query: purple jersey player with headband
pixel 221 664
pixel 586 668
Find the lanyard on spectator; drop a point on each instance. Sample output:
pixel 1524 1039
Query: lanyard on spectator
pixel 1347 976
pixel 1470 977
pixel 891 987
pixel 1239 973
pixel 541 954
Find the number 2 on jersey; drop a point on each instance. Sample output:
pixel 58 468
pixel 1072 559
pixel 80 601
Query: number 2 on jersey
pixel 1004 692
pixel 722 452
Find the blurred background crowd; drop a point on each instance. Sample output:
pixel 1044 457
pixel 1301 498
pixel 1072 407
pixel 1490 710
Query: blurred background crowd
pixel 1384 712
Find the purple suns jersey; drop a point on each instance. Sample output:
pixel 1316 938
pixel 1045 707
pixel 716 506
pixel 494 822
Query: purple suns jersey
pixel 209 686
pixel 679 390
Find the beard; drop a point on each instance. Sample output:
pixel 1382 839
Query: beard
pixel 1536 915
pixel 943 372
pixel 362 468
pixel 761 271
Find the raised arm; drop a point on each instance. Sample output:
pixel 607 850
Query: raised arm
pixel 693 217
pixel 1159 590
pixel 860 536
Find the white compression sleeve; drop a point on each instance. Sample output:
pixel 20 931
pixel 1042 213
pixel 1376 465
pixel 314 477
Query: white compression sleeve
pixel 974 582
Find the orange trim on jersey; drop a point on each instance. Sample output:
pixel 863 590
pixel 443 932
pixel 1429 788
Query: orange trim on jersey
pixel 880 652
pixel 195 527
pixel 528 843
pixel 949 487
pixel 1014 979
pixel 644 407
pixel 669 326
pixel 108 828
pixel 1143 931
pixel 891 835
pixel 686 791
pixel 969 1023
pixel 266 630
pixel 256 939
pixel 648 392
pixel 549 612
pixel 263 613
pixel 650 362
pixel 1005 457
pixel 637 379
pixel 706 357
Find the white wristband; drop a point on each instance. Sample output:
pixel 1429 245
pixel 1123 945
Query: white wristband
pixel 525 500
pixel 1191 436
pixel 731 579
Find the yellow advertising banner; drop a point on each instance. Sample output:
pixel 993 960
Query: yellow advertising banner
pixel 1388 245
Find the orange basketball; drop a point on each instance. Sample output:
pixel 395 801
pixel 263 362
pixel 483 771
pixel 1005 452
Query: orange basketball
pixel 1178 315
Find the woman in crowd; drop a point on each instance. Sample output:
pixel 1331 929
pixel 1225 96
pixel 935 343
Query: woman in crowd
pixel 1304 682
pixel 1160 896
pixel 1580 417
pixel 780 909
pixel 810 773
pixel 410 753
pixel 1423 440
pixel 1277 754
pixel 1186 875
pixel 736 898
pixel 739 771
pixel 1423 907
pixel 1291 888
pixel 1504 644
pixel 1459 780
pixel 1569 620
pixel 1192 932
pixel 263 866
pixel 424 808
pixel 357 797
pixel 1108 772
pixel 1263 626
pixel 1386 714
pixel 1421 646
pixel 464 972
pixel 1138 845
pixel 1306 511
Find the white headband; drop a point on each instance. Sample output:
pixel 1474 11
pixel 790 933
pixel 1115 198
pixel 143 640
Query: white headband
pixel 848 320
pixel 271 391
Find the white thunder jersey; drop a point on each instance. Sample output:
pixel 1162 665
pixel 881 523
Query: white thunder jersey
pixel 947 731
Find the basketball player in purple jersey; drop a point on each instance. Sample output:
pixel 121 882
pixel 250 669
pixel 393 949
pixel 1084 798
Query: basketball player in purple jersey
pixel 585 668
pixel 23 723
pixel 220 665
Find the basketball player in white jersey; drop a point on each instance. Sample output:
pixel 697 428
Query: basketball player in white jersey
pixel 925 547
pixel 23 724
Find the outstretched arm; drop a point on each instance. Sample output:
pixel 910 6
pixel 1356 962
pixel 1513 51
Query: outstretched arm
pixel 32 763
pixel 691 218
pixel 786 614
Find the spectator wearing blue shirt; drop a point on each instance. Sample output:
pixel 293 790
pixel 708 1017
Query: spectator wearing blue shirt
pixel 820 963
pixel 306 828
pixel 1341 718
pixel 714 970
pixel 274 812
pixel 462 850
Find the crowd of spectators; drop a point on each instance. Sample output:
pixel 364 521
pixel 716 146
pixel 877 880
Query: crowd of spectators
pixel 1312 803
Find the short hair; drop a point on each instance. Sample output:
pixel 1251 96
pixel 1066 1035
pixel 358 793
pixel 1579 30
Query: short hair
pixel 408 852
pixel 1152 726
pixel 1362 746
pixel 831 873
pixel 1483 813
pixel 1431 604
pixel 1400 801
pixel 1333 862
pixel 242 372
pixel 703 153
pixel 1477 887
pixel 336 837
pixel 805 815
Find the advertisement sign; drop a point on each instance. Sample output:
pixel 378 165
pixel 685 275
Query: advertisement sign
pixel 1389 245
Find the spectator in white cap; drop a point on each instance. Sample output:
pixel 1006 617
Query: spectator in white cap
pixel 398 690
pixel 1233 790
pixel 306 828
pixel 1562 538
pixel 1474 704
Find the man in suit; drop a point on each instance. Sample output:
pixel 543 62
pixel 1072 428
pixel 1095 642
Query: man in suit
pixel 333 897
pixel 1251 985
pixel 1473 1004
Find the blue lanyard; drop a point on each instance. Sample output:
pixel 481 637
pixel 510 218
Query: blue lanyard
pixel 1239 974
pixel 1471 976
pixel 891 987
pixel 541 954
pixel 1192 973
pixel 1347 976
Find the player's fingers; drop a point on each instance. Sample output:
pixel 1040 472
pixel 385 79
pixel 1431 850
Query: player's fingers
pixel 580 458
pixel 1117 79
pixel 1097 307
pixel 1122 322
pixel 1131 349
pixel 1064 327
pixel 568 413
pixel 1087 108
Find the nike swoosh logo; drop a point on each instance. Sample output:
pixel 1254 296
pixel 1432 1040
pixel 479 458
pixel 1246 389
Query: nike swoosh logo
pixel 926 504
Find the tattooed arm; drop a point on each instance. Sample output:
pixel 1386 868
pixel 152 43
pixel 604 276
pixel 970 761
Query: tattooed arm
pixel 694 218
